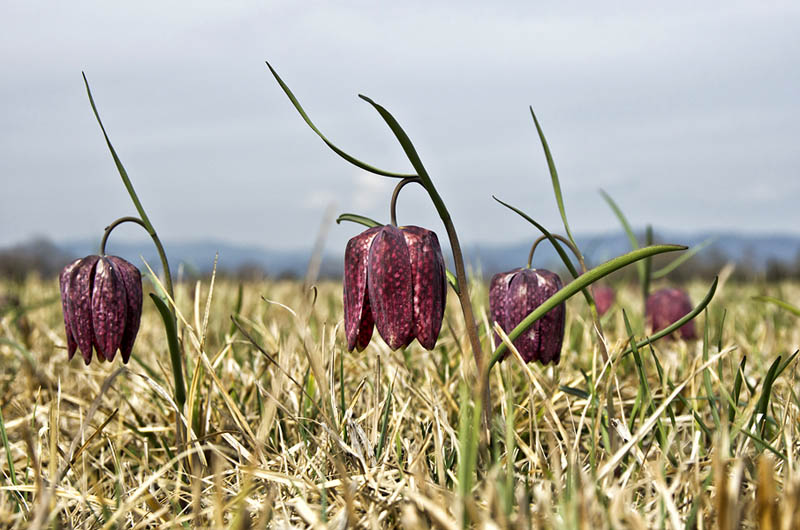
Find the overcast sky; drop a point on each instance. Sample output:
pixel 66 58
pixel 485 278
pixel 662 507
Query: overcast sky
pixel 689 116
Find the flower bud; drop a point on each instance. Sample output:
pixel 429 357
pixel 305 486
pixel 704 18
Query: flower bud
pixel 101 297
pixel 394 279
pixel 667 306
pixel 513 295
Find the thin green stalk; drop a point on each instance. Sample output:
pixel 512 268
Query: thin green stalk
pixel 175 354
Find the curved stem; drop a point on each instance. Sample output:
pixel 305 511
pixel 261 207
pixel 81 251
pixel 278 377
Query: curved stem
pixel 482 390
pixel 396 193
pixel 144 221
pixel 563 240
pixel 115 224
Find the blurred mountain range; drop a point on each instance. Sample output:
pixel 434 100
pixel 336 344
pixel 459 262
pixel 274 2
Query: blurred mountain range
pixel 758 254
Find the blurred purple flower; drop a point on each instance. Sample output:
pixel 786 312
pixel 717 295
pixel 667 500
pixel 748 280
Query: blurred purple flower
pixel 665 307
pixel 604 298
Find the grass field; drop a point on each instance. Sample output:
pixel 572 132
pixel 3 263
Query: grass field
pixel 299 433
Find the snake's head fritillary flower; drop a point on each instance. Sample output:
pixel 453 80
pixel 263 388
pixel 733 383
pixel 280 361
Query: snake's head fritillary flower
pixel 665 307
pixel 394 280
pixel 101 297
pixel 604 297
pixel 513 295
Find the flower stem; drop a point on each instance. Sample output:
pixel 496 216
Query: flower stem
pixel 144 221
pixel 115 224
pixel 396 193
pixel 563 240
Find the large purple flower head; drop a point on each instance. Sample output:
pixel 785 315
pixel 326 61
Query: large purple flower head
pixel 666 306
pixel 394 279
pixel 515 294
pixel 102 301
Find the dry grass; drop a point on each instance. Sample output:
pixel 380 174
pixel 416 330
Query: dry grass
pixel 294 436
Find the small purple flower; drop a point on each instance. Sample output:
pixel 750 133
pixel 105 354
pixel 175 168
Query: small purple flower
pixel 513 295
pixel 394 279
pixel 101 297
pixel 669 305
pixel 604 297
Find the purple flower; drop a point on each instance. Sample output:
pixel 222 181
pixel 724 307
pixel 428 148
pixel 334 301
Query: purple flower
pixel 394 279
pixel 513 295
pixel 667 306
pixel 604 297
pixel 101 297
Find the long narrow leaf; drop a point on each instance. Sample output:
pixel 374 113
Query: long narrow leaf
pixel 780 303
pixel 627 227
pixel 554 177
pixel 683 258
pixel 353 160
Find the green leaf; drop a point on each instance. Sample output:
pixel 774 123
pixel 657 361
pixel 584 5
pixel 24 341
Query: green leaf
pixel 663 271
pixel 576 285
pixel 554 177
pixel 553 241
pixel 174 349
pixel 356 162
pixel 628 230
pixel 780 303
pixel 359 219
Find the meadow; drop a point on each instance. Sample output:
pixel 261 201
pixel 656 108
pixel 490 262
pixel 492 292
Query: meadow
pixel 283 428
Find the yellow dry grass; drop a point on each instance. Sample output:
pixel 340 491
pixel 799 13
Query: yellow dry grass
pixel 285 435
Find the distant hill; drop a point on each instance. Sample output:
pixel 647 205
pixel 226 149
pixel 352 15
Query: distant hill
pixel 754 251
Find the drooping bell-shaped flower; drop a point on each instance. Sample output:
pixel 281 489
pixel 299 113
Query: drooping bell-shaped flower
pixel 394 280
pixel 513 295
pixel 666 306
pixel 604 297
pixel 101 297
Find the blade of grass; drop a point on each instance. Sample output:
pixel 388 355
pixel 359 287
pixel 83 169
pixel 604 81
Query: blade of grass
pixel 628 230
pixel 677 262
pixel 712 400
pixel 554 178
pixel 356 162
pixel 780 303
pixel 737 388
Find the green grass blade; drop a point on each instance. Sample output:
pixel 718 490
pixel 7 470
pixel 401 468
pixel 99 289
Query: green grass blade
pixel 648 265
pixel 626 226
pixel 359 219
pixel 780 303
pixel 553 241
pixel 576 285
pixel 711 398
pixel 11 471
pixel 353 160
pixel 683 258
pixel 554 177
pixel 174 348
pixel 737 389
pixel 678 323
